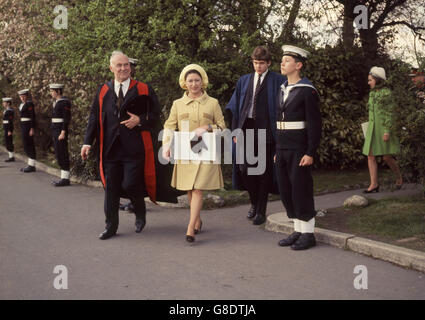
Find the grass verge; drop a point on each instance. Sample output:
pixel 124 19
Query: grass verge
pixel 399 221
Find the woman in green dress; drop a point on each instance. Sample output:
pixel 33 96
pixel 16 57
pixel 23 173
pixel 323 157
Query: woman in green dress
pixel 380 140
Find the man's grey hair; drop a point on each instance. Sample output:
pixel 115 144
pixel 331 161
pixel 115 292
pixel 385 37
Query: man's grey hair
pixel 116 53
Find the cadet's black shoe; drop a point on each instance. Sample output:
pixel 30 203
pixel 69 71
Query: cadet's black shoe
pixel 10 160
pixel 293 237
pixel 107 234
pixel 305 241
pixel 140 224
pixel 259 219
pixel 251 212
pixel 28 169
pixel 61 183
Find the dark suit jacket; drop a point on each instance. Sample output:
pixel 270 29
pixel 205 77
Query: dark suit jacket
pixel 104 126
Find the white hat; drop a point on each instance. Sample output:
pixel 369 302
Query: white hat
pixel 23 91
pixel 56 86
pixel 378 72
pixel 133 61
pixel 7 99
pixel 295 52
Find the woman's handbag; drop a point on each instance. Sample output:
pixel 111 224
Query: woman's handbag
pixel 365 125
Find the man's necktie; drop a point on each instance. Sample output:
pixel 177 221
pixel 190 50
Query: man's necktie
pixel 120 98
pixel 257 89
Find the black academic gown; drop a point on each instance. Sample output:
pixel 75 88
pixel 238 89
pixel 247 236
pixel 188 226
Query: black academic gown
pixel 142 141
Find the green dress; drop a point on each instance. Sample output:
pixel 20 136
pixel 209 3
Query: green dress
pixel 381 106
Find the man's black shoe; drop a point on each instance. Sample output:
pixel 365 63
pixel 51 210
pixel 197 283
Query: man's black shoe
pixel 61 183
pixel 28 169
pixel 259 219
pixel 293 237
pixel 140 224
pixel 251 212
pixel 130 207
pixel 107 234
pixel 305 241
pixel 10 160
pixel 123 207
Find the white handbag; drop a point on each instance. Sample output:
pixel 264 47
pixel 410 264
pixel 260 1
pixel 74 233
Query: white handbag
pixel 365 125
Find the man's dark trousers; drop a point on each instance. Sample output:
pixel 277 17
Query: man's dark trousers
pixel 258 186
pixel 123 175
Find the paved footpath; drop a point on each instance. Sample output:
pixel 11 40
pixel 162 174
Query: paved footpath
pixel 42 227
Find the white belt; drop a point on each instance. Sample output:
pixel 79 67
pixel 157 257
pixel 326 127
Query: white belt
pixel 290 125
pixel 5 121
pixel 57 120
pixel 25 119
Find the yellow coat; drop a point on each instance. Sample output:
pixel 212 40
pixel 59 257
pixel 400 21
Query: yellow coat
pixel 199 112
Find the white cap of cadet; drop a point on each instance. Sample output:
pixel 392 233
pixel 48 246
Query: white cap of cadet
pixel 295 52
pixel 23 91
pixel 56 86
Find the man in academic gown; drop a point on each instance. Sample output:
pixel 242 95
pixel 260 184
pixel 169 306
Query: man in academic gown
pixel 253 107
pixel 122 118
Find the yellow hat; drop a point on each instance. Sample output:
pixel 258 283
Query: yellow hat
pixel 197 68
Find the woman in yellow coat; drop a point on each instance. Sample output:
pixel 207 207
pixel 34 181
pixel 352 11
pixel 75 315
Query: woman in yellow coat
pixel 198 112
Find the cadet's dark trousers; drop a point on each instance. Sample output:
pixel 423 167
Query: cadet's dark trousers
pixel 61 149
pixel 28 141
pixel 8 141
pixel 258 186
pixel 295 184
pixel 123 176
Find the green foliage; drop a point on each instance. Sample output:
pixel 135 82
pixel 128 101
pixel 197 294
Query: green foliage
pixel 409 118
pixel 340 79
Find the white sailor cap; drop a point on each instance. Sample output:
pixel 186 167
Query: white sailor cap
pixel 7 99
pixel 378 72
pixel 133 61
pixel 23 91
pixel 295 52
pixel 56 86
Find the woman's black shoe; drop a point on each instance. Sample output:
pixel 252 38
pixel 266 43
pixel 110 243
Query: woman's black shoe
pixel 190 238
pixel 198 230
pixel 372 190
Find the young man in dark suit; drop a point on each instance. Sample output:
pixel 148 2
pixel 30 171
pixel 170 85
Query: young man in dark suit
pixel 253 108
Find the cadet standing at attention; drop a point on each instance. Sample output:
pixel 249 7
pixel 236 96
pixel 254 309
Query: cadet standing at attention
pixel 297 139
pixel 60 122
pixel 8 115
pixel 27 113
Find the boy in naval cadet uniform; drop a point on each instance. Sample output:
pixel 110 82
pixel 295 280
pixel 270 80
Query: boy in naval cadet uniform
pixel 60 122
pixel 297 139
pixel 28 124
pixel 8 115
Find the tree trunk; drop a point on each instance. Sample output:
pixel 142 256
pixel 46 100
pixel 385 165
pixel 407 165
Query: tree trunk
pixel 348 27
pixel 287 32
